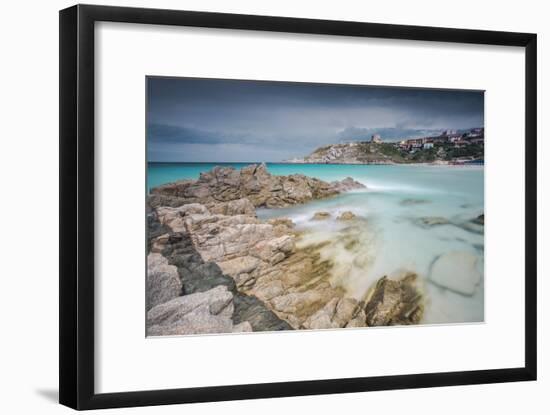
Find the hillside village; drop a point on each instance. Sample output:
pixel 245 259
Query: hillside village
pixel 450 147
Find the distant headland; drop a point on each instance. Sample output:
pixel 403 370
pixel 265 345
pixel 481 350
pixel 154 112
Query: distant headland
pixel 450 147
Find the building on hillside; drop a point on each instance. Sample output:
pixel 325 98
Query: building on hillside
pixel 460 143
pixel 476 140
pixel 415 142
pixel 402 145
pixel 453 138
pixel 428 144
pixel 439 139
pixel 448 133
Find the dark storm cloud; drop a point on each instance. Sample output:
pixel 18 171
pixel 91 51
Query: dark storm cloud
pixel 161 134
pixel 216 120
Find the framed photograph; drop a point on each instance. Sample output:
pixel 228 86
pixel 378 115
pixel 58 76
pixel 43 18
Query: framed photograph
pixel 258 206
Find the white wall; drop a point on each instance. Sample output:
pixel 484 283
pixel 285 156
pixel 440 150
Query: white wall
pixel 28 220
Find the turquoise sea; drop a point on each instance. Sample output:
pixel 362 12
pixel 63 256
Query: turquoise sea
pixel 391 238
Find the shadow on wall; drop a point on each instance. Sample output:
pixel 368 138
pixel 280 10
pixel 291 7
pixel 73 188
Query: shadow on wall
pixel 51 395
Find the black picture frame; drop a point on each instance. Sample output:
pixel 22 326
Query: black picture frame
pixel 76 279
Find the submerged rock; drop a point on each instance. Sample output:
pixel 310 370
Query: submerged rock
pixel 456 271
pixel 429 221
pixel 320 216
pixel 395 302
pixel 347 185
pixel 163 283
pixel 412 202
pixel 346 216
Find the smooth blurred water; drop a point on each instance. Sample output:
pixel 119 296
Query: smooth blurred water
pixel 390 238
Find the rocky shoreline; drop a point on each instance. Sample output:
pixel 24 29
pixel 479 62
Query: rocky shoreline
pixel 214 267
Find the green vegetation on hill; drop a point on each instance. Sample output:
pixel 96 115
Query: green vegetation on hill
pixel 473 150
pixel 382 152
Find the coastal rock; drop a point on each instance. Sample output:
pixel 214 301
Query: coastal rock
pixel 233 207
pixel 198 276
pixel 239 266
pixel 156 200
pixel 282 226
pixel 346 216
pixel 347 310
pixel 159 243
pixel 346 185
pixel 265 264
pixel 173 217
pixel 337 313
pixel 323 319
pixel 394 302
pixel 297 307
pixel 216 242
pixel 281 221
pixel 250 309
pixel 273 285
pixel 221 238
pixel 254 182
pixel 206 312
pixel 242 327
pixel 234 241
pixel 154 227
pixel 359 319
pixel 163 283
pixel 456 271
pixel 320 216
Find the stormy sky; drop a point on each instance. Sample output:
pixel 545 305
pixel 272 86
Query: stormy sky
pixel 204 120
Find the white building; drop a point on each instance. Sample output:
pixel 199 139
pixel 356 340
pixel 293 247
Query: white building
pixel 375 138
pixel 454 138
pixel 448 133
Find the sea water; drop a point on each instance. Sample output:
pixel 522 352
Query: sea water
pixel 391 241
